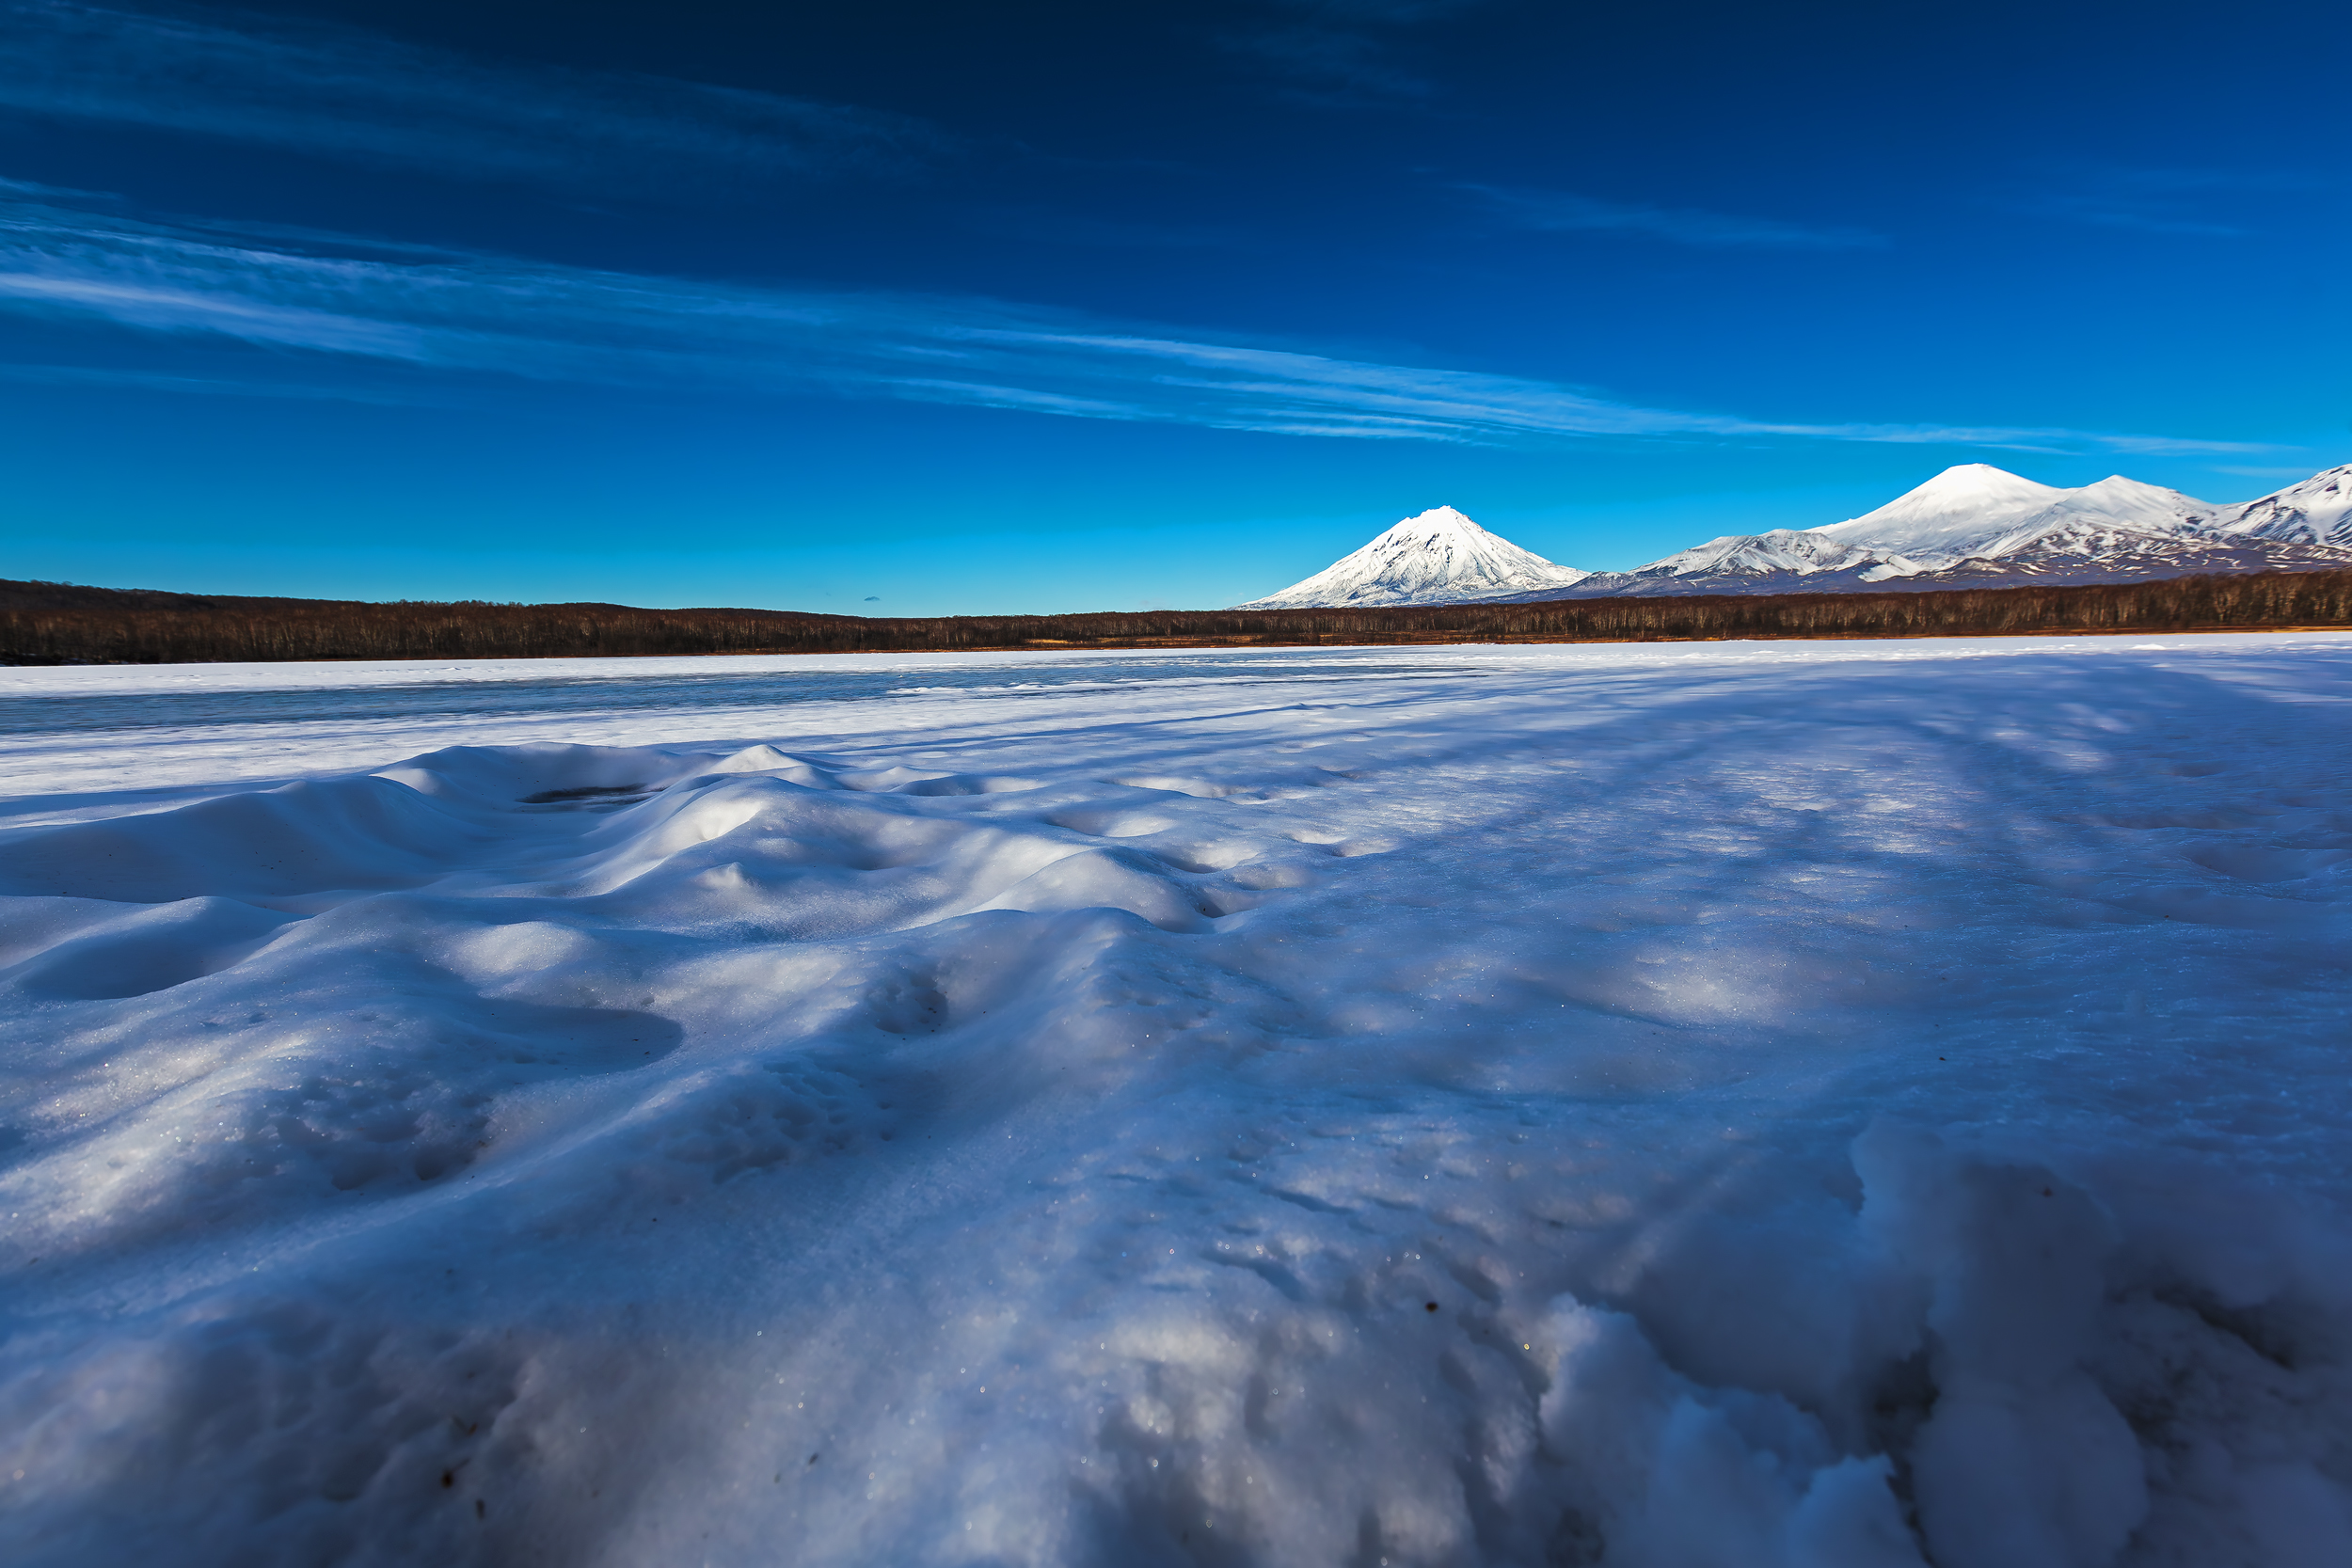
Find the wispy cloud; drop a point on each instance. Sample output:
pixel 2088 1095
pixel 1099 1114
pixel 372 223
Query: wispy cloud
pixel 475 315
pixel 116 379
pixel 1098 231
pixel 2107 213
pixel 1562 212
pixel 1338 51
pixel 336 92
pixel 2188 202
pixel 53 193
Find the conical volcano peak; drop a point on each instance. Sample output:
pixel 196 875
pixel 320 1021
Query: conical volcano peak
pixel 1437 520
pixel 1434 557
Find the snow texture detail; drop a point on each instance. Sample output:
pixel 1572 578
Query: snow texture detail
pixel 1840 1105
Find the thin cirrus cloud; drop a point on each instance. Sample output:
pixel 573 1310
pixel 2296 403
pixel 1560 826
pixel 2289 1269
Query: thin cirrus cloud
pixel 2192 203
pixel 471 315
pixel 1338 52
pixel 338 92
pixel 1565 212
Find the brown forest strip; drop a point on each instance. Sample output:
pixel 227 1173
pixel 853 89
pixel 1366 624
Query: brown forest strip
pixel 47 622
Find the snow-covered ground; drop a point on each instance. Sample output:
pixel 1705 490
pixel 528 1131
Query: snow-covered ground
pixel 1743 1104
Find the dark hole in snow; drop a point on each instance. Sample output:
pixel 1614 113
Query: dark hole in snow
pixel 586 792
pixel 449 1478
pixel 1429 1305
pixel 812 1459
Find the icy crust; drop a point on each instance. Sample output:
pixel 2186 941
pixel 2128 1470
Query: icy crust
pixel 1849 1107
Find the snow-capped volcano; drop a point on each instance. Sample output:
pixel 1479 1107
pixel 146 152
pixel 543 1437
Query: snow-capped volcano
pixel 1440 557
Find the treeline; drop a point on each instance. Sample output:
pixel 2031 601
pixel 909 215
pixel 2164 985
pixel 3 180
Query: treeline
pixel 43 623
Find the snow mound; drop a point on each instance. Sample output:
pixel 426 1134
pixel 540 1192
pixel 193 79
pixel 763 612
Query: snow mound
pixel 1438 556
pixel 1850 1105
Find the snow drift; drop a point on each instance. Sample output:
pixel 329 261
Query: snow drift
pixel 1843 1105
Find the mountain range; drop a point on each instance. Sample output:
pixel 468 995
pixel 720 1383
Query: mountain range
pixel 1969 527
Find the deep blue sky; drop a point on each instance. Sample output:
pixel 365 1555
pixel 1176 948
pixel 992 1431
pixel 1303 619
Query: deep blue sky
pixel 1075 305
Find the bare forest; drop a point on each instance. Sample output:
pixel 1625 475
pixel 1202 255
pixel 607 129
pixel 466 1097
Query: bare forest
pixel 45 623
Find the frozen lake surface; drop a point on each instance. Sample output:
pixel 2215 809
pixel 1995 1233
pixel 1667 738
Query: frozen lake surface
pixel 1840 1105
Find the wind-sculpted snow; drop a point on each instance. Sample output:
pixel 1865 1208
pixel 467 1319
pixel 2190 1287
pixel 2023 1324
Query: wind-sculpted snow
pixel 1828 1105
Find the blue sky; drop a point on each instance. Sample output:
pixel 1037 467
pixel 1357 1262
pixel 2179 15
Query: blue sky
pixel 921 308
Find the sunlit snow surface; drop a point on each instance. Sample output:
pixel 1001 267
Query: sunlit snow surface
pixel 1733 1104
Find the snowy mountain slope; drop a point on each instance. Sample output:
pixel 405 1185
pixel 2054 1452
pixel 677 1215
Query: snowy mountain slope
pixel 1976 511
pixel 1977 526
pixel 1972 513
pixel 2318 511
pixel 1440 557
pixel 1955 514
pixel 1783 549
pixel 1788 556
